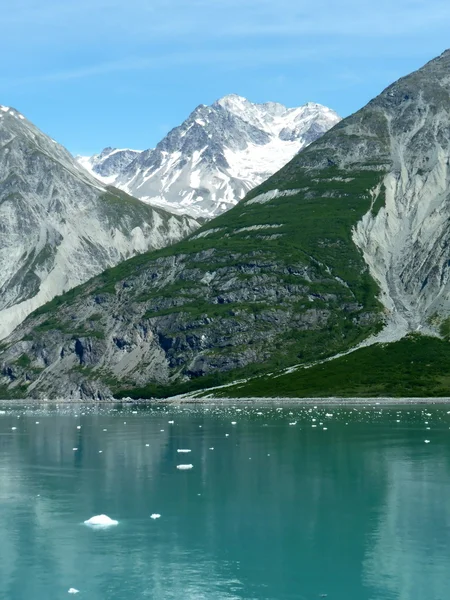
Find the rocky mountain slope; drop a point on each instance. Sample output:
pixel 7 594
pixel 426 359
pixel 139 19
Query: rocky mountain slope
pixel 349 238
pixel 205 166
pixel 106 165
pixel 58 225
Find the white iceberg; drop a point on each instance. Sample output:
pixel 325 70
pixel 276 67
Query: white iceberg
pixel 101 521
pixel 155 516
pixel 185 467
pixel 73 591
pixel 183 450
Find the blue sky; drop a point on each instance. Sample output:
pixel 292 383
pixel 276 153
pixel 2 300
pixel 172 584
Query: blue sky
pixel 93 73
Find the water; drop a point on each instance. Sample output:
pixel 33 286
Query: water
pixel 359 510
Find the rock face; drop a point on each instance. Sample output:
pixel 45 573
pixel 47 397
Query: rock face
pixel 350 237
pixel 205 166
pixel 406 240
pixel 58 225
pixel 106 165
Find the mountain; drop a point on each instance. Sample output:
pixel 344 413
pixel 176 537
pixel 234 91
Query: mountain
pixel 344 247
pixel 59 226
pixel 108 163
pixel 205 166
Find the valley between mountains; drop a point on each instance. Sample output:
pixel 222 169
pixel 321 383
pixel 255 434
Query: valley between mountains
pixel 346 246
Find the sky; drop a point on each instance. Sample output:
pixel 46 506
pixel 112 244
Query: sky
pixel 122 73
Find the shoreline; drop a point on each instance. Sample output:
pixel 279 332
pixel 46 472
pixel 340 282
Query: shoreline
pixel 182 400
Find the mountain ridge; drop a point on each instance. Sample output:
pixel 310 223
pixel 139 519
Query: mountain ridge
pixel 59 225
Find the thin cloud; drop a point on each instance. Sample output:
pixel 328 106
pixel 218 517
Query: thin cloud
pixel 139 21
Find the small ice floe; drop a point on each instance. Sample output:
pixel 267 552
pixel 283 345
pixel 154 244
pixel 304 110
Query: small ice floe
pixel 293 423
pixel 147 445
pixel 211 448
pixel 233 422
pixel 100 521
pixel 100 451
pixel 73 591
pixel 227 435
pixel 13 428
pixel 2 412
pixel 74 449
pixel 78 426
pixel 325 428
pixel 37 422
pixel 183 450
pixel 105 430
pixel 155 516
pixel 171 422
pixel 185 467
pixel 427 441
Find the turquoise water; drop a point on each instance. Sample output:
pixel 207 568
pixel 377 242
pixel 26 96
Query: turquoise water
pixel 358 510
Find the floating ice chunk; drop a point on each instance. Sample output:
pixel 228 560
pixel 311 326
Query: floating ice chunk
pixel 2 412
pixel 13 428
pixel 147 445
pixel 293 423
pixel 185 467
pixel 171 422
pixel 211 448
pixel 427 441
pixel 101 521
pixel 155 516
pixel 233 422
pixel 73 591
pixel 183 450
pixel 78 426
pixel 74 449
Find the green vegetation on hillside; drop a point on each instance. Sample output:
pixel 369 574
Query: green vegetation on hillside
pixel 416 366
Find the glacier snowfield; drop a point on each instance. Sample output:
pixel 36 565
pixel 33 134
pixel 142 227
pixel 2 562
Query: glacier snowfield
pixel 282 501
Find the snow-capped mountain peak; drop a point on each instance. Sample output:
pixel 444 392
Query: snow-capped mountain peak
pixel 208 163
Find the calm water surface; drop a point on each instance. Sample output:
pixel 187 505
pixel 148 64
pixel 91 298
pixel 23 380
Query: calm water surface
pixel 287 503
